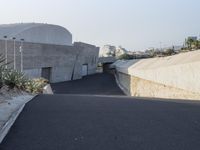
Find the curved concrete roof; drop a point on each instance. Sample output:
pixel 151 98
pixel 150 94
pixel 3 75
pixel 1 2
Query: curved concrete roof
pixel 37 33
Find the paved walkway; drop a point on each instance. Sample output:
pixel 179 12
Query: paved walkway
pixel 89 122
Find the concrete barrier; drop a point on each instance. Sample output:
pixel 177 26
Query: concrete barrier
pixel 175 76
pixel 47 89
pixel 9 111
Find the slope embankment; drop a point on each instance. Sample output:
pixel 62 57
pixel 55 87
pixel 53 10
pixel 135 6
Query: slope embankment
pixel 176 77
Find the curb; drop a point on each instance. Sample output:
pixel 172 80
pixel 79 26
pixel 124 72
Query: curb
pixel 47 89
pixel 9 123
pixel 5 129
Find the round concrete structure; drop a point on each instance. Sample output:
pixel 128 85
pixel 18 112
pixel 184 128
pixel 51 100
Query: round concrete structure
pixel 37 33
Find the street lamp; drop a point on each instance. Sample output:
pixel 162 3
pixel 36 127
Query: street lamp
pixel 160 46
pixel 21 51
pixel 14 53
pixel 6 50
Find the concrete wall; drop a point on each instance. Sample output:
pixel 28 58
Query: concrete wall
pixel 65 61
pixel 33 73
pixel 124 80
pixel 87 54
pixel 169 77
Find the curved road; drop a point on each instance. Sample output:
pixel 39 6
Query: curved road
pixel 99 84
pixel 105 121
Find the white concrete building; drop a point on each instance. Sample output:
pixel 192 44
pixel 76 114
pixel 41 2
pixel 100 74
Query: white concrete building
pixel 47 51
pixel 37 33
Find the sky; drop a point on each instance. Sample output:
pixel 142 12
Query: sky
pixel 133 24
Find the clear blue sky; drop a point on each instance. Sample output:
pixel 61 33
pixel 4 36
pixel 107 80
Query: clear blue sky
pixel 133 24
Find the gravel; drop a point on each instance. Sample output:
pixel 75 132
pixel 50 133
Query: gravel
pixel 7 94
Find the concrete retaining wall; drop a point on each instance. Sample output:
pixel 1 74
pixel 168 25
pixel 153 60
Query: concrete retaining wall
pixel 169 77
pixel 124 80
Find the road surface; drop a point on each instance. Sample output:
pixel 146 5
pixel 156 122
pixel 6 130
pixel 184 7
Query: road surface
pixel 99 84
pixel 104 122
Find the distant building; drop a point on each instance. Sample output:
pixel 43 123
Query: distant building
pixel 47 51
pixel 112 51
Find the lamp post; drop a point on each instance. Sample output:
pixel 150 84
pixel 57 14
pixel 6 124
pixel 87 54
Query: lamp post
pixel 21 51
pixel 160 46
pixel 6 50
pixel 14 53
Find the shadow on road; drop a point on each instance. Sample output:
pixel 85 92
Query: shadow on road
pixel 98 84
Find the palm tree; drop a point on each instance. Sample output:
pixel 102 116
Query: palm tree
pixel 196 44
pixel 189 43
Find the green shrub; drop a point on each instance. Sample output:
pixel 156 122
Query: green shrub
pixel 169 52
pixel 33 87
pixel 36 85
pixel 1 76
pixel 126 57
pixel 2 69
pixel 14 79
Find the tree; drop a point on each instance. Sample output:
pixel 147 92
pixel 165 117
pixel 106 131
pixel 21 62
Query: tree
pixel 126 56
pixel 196 44
pixel 2 68
pixel 151 52
pixel 110 54
pixel 189 42
pixel 169 52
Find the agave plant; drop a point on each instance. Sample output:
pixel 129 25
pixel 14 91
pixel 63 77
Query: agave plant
pixel 2 69
pixel 13 78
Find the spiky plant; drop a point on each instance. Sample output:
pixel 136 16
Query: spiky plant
pixel 2 68
pixel 13 78
pixel 36 86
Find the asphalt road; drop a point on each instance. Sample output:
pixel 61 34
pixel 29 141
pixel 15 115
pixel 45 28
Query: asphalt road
pixel 99 84
pixel 89 122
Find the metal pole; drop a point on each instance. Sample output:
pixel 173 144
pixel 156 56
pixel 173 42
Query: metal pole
pixel 161 46
pixel 21 51
pixel 135 54
pixel 6 51
pixel 14 53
